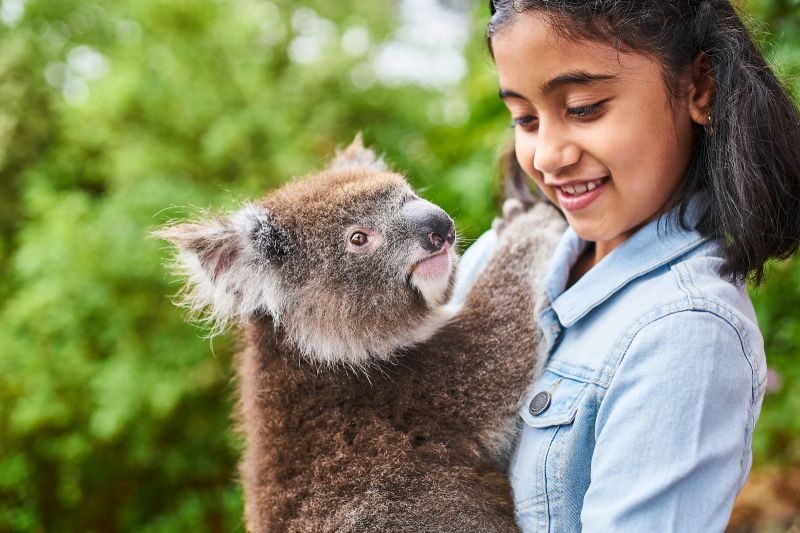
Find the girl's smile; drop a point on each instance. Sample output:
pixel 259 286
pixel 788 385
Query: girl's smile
pixel 577 195
pixel 596 128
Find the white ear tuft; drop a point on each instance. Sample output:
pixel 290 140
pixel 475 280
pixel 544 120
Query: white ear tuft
pixel 227 278
pixel 214 243
pixel 357 156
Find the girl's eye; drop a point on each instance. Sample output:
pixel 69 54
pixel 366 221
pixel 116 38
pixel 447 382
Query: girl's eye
pixel 587 111
pixel 525 121
pixel 358 239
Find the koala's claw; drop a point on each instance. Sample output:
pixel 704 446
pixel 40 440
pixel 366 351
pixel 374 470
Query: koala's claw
pixel 512 208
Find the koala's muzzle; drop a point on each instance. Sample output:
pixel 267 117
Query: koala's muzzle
pixel 430 223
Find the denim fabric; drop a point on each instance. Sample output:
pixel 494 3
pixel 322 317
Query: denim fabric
pixel 656 372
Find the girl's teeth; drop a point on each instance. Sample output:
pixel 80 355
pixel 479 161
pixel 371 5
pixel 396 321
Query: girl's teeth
pixel 581 188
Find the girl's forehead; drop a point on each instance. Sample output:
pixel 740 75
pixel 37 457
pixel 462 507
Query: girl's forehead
pixel 530 54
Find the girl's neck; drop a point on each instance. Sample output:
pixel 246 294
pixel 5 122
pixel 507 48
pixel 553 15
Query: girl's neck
pixel 582 265
pixel 596 251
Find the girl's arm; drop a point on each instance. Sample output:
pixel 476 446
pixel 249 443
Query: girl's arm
pixel 673 432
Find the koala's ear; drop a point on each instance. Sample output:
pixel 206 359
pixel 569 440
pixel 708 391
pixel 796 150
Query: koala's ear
pixel 222 260
pixel 357 156
pixel 270 240
pixel 213 245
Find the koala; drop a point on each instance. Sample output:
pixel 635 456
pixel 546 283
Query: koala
pixel 367 402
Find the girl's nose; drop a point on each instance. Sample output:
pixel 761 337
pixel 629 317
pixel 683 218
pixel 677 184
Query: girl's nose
pixel 554 150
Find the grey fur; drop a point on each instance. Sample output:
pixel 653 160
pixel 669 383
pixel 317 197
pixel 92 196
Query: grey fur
pixel 417 439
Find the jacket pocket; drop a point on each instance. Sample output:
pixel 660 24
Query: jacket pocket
pixel 546 447
pixel 553 400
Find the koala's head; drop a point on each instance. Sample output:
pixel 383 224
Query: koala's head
pixel 350 261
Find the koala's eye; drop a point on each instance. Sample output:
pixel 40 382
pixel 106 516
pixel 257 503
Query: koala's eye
pixel 358 239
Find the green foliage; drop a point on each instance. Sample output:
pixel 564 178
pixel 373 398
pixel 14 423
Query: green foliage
pixel 116 117
pixel 777 435
pixel 114 414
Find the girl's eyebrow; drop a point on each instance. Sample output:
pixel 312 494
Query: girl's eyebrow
pixel 508 93
pixel 574 77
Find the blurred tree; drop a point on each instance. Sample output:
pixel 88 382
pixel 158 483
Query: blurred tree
pixel 777 436
pixel 116 118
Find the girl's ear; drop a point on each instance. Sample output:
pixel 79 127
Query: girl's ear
pixel 701 90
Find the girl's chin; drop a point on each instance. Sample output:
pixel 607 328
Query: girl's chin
pixel 608 237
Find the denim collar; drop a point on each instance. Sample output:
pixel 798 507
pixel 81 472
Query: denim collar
pixel 655 244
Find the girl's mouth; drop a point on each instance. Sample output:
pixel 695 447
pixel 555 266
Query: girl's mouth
pixel 577 196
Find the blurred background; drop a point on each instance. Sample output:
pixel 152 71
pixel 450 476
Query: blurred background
pixel 118 116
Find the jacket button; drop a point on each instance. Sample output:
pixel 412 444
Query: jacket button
pixel 540 403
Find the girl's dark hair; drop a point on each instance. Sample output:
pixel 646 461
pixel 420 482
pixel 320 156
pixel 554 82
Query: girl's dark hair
pixel 748 160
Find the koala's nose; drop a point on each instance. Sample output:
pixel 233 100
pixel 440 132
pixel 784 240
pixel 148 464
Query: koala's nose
pixel 442 231
pixel 433 226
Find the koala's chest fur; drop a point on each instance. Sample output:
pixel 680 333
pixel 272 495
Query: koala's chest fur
pixel 323 442
pixel 421 431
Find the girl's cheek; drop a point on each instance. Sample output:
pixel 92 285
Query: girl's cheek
pixel 525 152
pixel 525 159
pixel 525 149
pixel 550 193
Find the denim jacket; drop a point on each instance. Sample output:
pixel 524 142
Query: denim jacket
pixel 654 373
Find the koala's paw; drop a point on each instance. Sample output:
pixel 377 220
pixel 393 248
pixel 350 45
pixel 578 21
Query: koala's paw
pixel 512 208
pixel 549 217
pixel 534 227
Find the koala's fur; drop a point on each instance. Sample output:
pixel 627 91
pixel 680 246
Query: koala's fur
pixel 367 404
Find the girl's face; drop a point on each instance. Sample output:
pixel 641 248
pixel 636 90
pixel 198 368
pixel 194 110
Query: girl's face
pixel 595 128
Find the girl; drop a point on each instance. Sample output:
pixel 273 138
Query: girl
pixel 674 154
